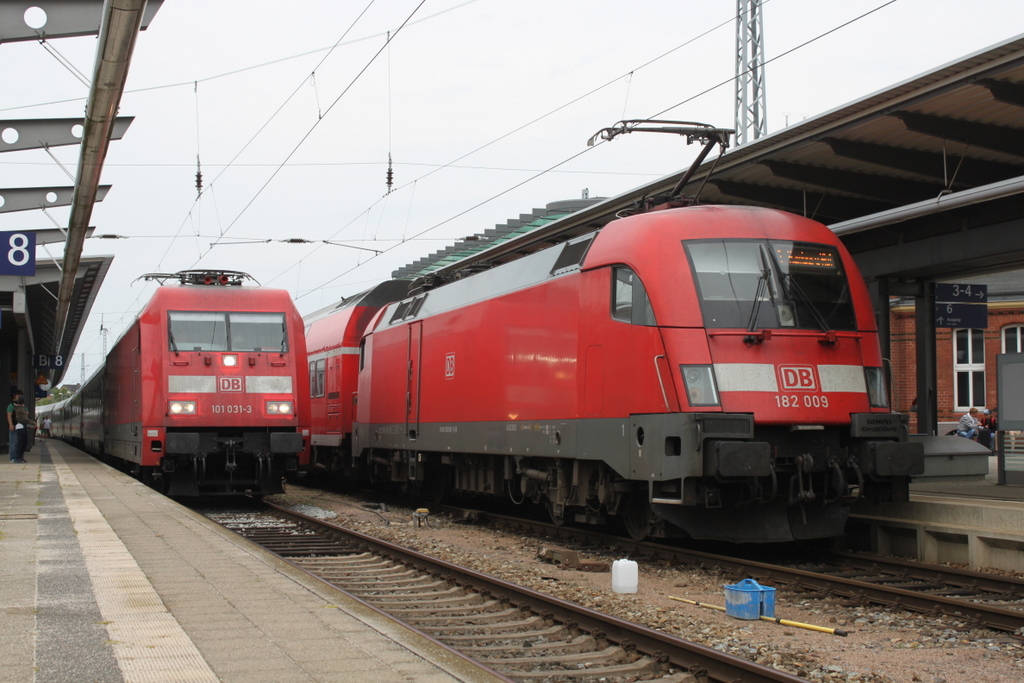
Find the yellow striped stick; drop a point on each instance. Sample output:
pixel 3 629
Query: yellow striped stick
pixel 784 622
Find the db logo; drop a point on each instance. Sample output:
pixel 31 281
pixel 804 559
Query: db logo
pixel 798 377
pixel 230 383
pixel 449 366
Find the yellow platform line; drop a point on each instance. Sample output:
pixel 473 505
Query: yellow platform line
pixel 148 642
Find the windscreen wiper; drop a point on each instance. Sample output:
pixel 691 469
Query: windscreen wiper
pixel 794 286
pixel 762 287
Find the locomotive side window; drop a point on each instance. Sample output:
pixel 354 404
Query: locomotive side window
pixel 755 285
pixel 220 331
pixel 312 379
pixel 629 299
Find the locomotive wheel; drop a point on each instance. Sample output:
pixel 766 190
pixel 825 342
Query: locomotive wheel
pixel 638 517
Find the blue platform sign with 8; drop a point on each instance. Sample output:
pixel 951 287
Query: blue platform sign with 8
pixel 18 251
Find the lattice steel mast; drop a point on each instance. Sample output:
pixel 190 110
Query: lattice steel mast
pixel 751 106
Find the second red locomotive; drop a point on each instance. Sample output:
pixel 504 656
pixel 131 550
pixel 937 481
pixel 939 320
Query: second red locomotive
pixel 204 394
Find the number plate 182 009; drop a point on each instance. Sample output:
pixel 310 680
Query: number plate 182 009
pixel 805 401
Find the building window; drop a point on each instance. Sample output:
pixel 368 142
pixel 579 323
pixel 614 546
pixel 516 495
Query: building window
pixel 1013 339
pixel 969 367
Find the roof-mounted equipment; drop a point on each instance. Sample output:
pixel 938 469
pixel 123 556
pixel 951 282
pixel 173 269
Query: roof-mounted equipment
pixel 693 131
pixel 222 278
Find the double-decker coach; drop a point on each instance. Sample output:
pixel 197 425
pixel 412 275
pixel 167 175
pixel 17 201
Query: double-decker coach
pixel 333 336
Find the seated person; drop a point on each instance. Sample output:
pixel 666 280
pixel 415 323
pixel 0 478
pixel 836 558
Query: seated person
pixel 968 425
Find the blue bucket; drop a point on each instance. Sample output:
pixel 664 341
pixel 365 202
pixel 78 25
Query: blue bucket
pixel 749 600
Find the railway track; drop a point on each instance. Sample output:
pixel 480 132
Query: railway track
pixel 982 600
pixel 524 635
pixel 993 601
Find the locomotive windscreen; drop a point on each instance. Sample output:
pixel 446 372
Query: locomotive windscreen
pixel 799 284
pixel 227 331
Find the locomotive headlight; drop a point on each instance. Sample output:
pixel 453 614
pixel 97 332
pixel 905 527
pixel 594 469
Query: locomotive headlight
pixel 229 360
pixel 701 389
pixel 279 408
pixel 182 408
pixel 877 395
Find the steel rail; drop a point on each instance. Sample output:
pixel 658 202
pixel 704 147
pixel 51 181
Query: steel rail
pixel 990 616
pixel 370 606
pixel 927 572
pixel 683 654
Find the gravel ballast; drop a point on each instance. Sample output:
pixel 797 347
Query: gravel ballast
pixel 884 645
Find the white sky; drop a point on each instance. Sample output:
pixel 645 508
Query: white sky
pixel 459 76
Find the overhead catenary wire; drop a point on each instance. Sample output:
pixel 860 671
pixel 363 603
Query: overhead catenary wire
pixel 256 134
pixel 775 58
pixel 454 162
pixel 317 122
pixel 465 167
pixel 461 213
pixel 548 170
pixel 661 113
pixel 512 132
pixel 292 95
pixel 244 69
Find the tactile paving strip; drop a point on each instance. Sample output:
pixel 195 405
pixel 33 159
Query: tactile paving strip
pixel 147 640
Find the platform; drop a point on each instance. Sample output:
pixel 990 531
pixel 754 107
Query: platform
pixel 973 521
pixel 105 580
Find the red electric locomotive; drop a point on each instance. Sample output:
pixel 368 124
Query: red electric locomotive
pixel 205 393
pixel 709 371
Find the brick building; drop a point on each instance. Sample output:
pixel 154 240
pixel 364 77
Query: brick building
pixel 965 358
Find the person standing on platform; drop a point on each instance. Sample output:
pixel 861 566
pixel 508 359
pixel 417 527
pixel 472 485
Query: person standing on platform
pixel 22 422
pixel 44 428
pixel 12 431
pixel 968 425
